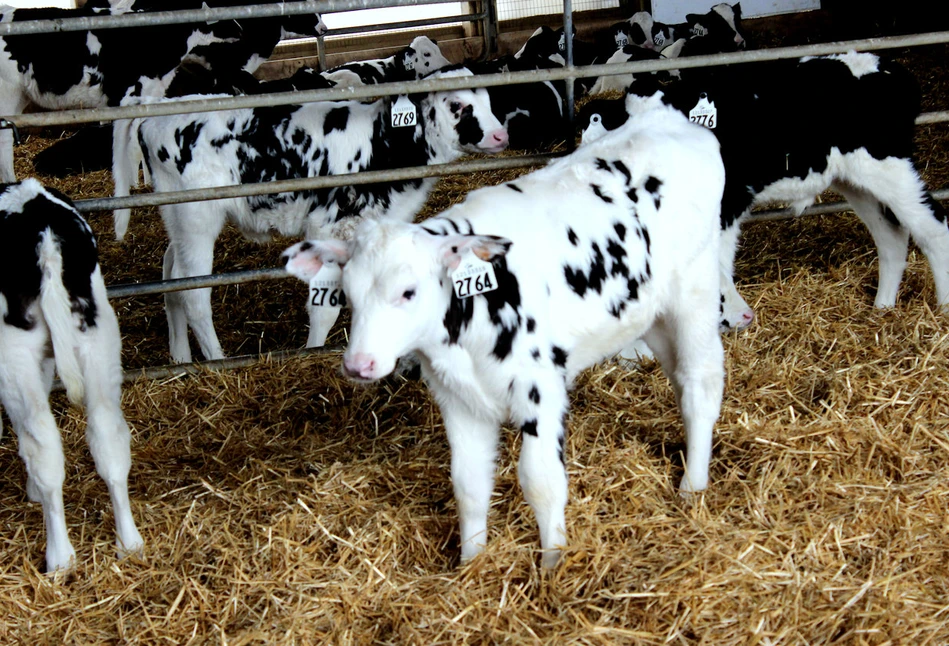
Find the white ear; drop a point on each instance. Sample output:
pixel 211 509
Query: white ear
pixel 487 248
pixel 305 259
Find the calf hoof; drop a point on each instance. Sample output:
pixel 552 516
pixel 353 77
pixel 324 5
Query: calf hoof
pixel 549 559
pixel 60 560
pixel 133 547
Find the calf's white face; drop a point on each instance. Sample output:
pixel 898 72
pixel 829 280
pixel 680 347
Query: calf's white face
pixel 395 276
pixel 465 116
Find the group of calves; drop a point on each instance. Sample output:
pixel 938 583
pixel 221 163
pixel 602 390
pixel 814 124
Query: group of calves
pixel 503 298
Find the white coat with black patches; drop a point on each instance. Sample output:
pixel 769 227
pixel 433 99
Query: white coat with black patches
pixel 589 254
pixel 420 58
pixel 290 142
pixel 52 297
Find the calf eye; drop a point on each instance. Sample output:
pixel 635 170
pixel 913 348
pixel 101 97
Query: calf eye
pixel 455 106
pixel 408 294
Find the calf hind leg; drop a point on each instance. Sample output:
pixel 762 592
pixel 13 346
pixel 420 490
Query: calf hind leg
pixel 25 398
pixel 892 242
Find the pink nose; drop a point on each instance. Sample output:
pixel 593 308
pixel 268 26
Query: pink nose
pixel 359 365
pixel 497 139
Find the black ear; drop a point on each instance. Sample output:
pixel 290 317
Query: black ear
pixel 737 9
pixel 692 18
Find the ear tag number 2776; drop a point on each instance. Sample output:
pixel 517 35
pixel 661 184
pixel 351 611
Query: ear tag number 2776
pixel 704 113
pixel 403 113
pixel 326 289
pixel 473 276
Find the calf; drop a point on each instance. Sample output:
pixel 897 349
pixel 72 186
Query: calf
pixel 289 142
pixel 420 58
pixel 644 32
pixel 534 114
pixel 583 257
pixel 55 313
pixel 619 82
pixel 548 45
pixel 83 69
pixel 774 151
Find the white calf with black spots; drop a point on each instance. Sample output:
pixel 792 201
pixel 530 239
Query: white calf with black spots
pixel 420 58
pixel 617 241
pixel 289 142
pixel 798 153
pixel 52 297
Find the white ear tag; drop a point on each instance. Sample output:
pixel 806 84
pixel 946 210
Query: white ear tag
pixel 562 43
pixel 659 40
pixel 621 41
pixel 473 276
pixel 704 113
pixel 403 112
pixel 326 288
pixel 699 30
pixel 410 64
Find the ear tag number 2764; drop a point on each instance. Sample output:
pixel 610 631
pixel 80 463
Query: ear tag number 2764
pixel 473 276
pixel 403 113
pixel 326 289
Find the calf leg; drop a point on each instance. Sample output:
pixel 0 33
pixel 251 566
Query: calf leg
pixel 175 313
pixel 541 468
pixel 689 348
pixel 473 442
pixel 25 398
pixel 892 242
pixel 192 231
pixel 107 432
pixel 735 312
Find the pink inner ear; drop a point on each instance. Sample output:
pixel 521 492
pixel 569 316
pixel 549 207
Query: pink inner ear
pixel 305 265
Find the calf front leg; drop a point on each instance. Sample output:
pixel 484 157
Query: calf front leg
pixel 473 442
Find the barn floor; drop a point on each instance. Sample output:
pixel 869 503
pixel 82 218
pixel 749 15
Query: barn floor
pixel 283 504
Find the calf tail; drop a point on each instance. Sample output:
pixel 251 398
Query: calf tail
pixel 57 311
pixel 126 160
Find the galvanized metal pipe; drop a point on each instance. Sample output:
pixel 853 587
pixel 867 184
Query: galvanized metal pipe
pixel 194 282
pixel 408 24
pixel 65 117
pixel 568 39
pixel 310 183
pixel 209 14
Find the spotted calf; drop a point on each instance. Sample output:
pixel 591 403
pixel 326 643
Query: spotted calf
pixel 587 255
pixel 775 151
pixel 55 313
pixel 290 142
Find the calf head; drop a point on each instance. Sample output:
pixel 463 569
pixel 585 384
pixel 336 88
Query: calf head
pixel 395 276
pixel 722 24
pixel 423 56
pixel 461 121
pixel 638 31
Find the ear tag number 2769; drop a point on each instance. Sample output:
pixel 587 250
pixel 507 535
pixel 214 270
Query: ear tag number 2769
pixel 473 276
pixel 403 113
pixel 326 289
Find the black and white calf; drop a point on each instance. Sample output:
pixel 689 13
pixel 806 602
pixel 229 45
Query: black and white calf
pixel 533 113
pixel 644 32
pixel 776 151
pixel 83 69
pixel 289 142
pixel 583 256
pixel 420 58
pixel 619 82
pixel 55 313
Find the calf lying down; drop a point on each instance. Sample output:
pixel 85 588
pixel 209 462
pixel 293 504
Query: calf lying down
pixel 52 295
pixel 583 257
pixel 776 151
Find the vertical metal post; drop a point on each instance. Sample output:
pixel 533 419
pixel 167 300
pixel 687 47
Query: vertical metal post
pixel 320 54
pixel 490 28
pixel 570 83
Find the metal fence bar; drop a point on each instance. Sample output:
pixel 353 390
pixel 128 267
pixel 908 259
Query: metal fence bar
pixel 209 14
pixel 194 282
pixel 65 117
pixel 311 183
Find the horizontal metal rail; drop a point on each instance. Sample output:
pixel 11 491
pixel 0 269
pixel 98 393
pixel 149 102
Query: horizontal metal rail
pixel 194 282
pixel 209 14
pixel 311 183
pixel 163 108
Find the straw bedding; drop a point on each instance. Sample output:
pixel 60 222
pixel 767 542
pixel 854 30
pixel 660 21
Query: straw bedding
pixel 282 504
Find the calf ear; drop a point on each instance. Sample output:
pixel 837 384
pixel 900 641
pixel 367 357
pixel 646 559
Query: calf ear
pixel 306 258
pixel 487 248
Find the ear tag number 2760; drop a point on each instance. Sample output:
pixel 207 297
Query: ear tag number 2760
pixel 326 289
pixel 473 276
pixel 403 113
